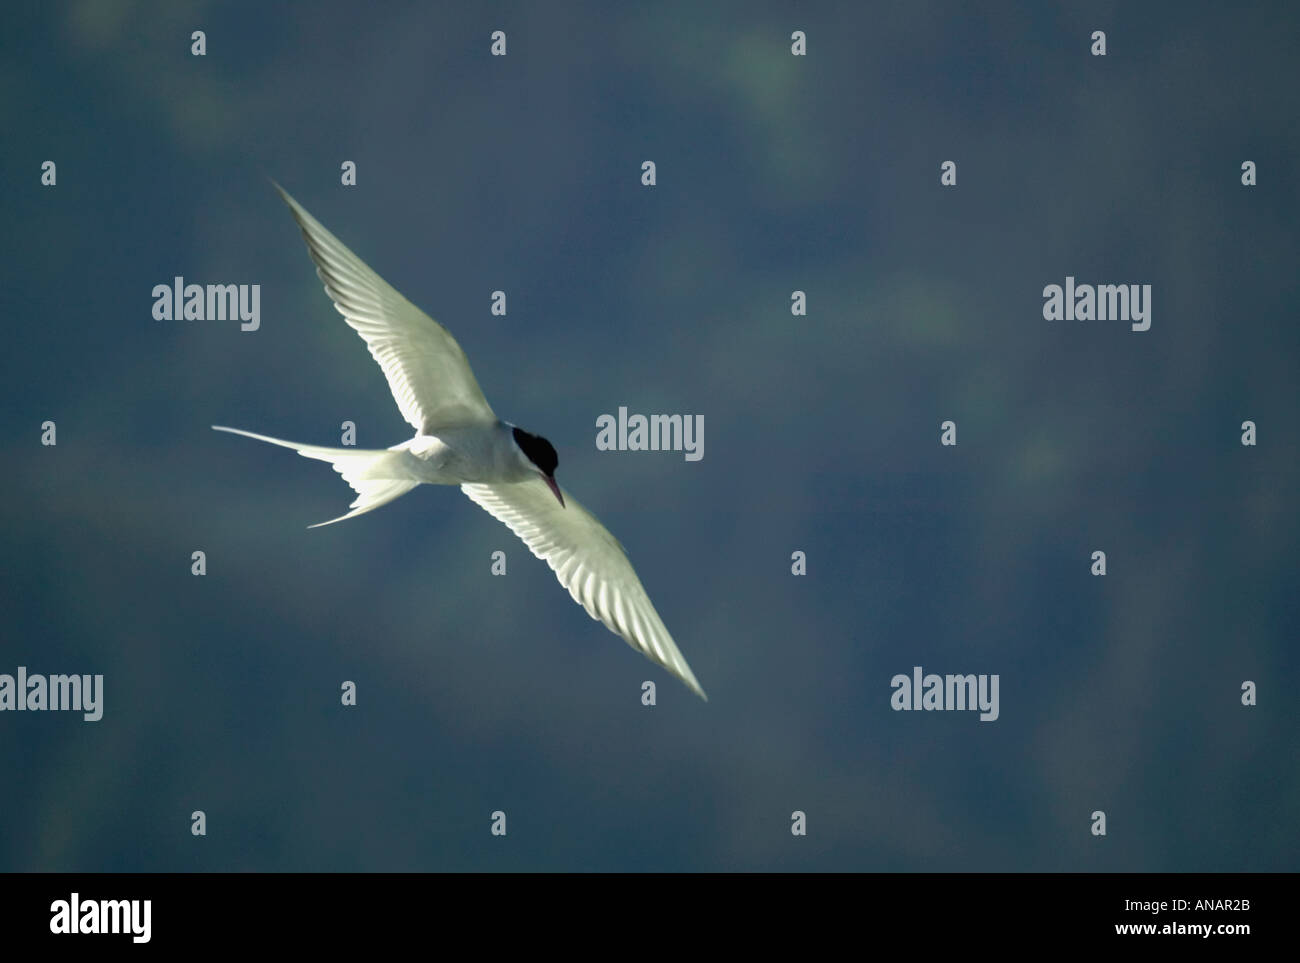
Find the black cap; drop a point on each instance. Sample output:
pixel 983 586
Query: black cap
pixel 539 451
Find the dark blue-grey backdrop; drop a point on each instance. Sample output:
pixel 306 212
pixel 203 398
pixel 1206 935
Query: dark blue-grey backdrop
pixel 775 173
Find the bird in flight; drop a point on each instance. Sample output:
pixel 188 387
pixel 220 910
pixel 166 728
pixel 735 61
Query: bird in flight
pixel 459 440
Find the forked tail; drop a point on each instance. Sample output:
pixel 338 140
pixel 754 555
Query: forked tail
pixel 376 475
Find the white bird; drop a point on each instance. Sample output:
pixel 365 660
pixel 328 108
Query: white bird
pixel 460 441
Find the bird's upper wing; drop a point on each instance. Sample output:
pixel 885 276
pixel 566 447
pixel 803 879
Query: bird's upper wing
pixel 427 371
pixel 589 562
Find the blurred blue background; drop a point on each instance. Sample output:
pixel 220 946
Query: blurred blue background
pixel 775 173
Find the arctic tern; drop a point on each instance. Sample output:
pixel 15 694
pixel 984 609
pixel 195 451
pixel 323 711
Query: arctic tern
pixel 458 440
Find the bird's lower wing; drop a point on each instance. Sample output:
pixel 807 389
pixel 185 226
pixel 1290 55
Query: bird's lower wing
pixel 589 562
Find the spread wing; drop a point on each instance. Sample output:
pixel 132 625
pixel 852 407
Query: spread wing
pixel 589 562
pixel 427 371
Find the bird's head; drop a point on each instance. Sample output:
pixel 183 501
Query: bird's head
pixel 541 456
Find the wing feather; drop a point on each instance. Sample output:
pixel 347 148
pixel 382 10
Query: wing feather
pixel 589 562
pixel 427 371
